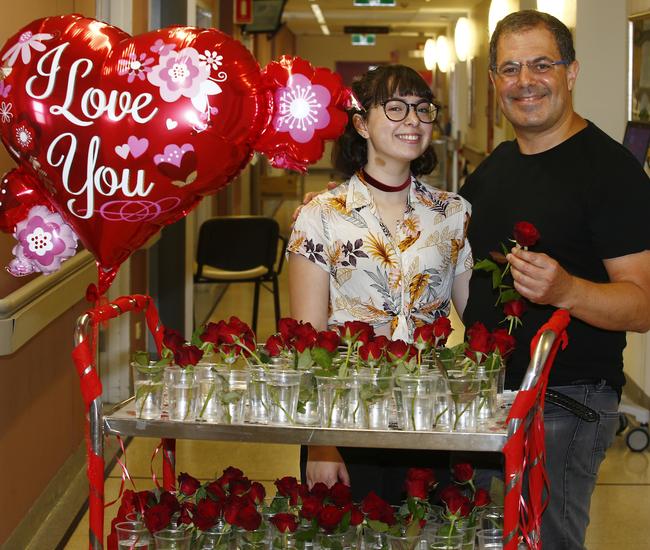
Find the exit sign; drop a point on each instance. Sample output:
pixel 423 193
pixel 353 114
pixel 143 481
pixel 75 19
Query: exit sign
pixel 374 3
pixel 364 39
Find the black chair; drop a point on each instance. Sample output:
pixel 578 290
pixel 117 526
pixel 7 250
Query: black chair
pixel 241 249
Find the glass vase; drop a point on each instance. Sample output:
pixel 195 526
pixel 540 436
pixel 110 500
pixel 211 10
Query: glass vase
pixel 133 534
pixel 173 539
pixel 414 400
pixel 490 539
pixel 334 400
pixel 233 387
pixel 338 541
pixel 307 410
pixel 374 400
pixel 148 386
pixel 208 409
pixel 258 396
pixel 486 406
pixel 283 389
pixel 394 542
pixel 463 390
pixel 182 393
pixel 219 537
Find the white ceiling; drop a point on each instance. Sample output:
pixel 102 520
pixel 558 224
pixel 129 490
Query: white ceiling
pixel 408 16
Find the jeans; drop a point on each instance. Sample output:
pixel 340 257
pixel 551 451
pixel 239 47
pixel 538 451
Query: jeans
pixel 574 452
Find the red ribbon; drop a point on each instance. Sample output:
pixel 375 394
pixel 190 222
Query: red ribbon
pixel 525 450
pixel 91 388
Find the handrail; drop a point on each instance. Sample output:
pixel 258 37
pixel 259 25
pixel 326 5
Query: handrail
pixel 29 309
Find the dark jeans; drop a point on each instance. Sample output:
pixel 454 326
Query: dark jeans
pixel 574 452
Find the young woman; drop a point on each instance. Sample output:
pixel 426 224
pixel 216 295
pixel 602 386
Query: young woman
pixel 383 247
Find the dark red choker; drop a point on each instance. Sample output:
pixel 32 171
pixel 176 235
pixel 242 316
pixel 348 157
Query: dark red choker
pixel 382 186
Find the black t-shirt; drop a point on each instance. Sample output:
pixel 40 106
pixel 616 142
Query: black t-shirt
pixel 590 200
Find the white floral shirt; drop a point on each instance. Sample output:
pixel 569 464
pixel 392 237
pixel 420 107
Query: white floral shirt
pixel 406 279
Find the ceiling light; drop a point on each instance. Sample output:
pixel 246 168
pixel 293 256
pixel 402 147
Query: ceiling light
pixel 463 38
pixel 430 54
pixel 443 53
pixel 564 10
pixel 325 30
pixel 498 10
pixel 318 14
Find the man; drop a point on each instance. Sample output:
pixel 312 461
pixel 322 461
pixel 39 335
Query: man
pixel 588 198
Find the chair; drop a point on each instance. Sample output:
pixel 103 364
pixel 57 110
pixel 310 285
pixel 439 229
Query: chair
pixel 241 249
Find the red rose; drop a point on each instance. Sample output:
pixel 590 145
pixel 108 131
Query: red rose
pixel 340 493
pixel 398 349
pixel 442 330
pixel 239 487
pixel 143 499
pixel 187 355
pixel 371 351
pixel 231 508
pixel 356 331
pixel 215 489
pixel 328 340
pixel 172 339
pixel 356 516
pixel 169 500
pixel 188 484
pixel 257 492
pixel 274 345
pixel 466 508
pixel 514 308
pixel 481 498
pixel 451 491
pixel 287 486
pixel 478 339
pixel 287 327
pixel 311 505
pixel 157 517
pixel 423 336
pixel 188 509
pixel 210 333
pixel 285 523
pixel 378 509
pixel 248 518
pixel 229 474
pixel 206 514
pixel 424 474
pixel 463 472
pixel 329 517
pixel 502 341
pixel 320 491
pixel 455 504
pixel 525 233
pixel 417 488
pixel 305 337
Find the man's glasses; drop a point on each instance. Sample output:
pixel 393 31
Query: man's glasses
pixel 512 69
pixel 398 109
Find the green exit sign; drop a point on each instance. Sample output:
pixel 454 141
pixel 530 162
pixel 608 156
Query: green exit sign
pixel 364 39
pixel 374 3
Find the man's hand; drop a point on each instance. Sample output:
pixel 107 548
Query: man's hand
pixel 540 278
pixel 310 197
pixel 325 465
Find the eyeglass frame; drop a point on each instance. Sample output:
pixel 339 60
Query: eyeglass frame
pixel 528 65
pixel 414 105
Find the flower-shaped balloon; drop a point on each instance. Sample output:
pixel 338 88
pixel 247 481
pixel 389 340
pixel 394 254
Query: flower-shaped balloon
pixel 309 107
pixel 44 241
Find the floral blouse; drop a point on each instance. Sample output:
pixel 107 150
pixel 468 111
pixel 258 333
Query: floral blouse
pixel 378 278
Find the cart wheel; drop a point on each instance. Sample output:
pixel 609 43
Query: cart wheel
pixel 622 423
pixel 638 439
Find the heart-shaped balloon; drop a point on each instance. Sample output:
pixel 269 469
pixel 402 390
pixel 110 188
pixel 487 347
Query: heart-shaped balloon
pixel 127 134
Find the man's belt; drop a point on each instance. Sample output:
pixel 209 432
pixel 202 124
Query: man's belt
pixel 575 407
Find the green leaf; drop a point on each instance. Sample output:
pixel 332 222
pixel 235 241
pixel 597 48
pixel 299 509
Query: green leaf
pixel 304 359
pixel 231 397
pixel 322 358
pixel 496 279
pixel 377 526
pixel 509 296
pixel 496 491
pixel 486 265
pixel 141 358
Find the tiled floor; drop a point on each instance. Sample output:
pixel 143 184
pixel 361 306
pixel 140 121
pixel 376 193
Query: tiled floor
pixel 620 513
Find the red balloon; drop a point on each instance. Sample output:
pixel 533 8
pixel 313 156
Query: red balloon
pixel 19 191
pixel 127 134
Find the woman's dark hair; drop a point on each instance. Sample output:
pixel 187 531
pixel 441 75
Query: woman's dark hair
pixel 350 152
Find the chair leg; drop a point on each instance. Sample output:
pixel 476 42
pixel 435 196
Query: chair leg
pixel 276 301
pixel 256 303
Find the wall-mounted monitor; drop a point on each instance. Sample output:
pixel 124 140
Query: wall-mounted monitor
pixel 267 16
pixel 637 139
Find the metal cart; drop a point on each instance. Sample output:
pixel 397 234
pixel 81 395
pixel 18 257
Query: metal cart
pixel 492 436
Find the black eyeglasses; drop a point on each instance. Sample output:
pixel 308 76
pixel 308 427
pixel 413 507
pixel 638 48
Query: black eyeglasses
pixel 398 109
pixel 512 69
